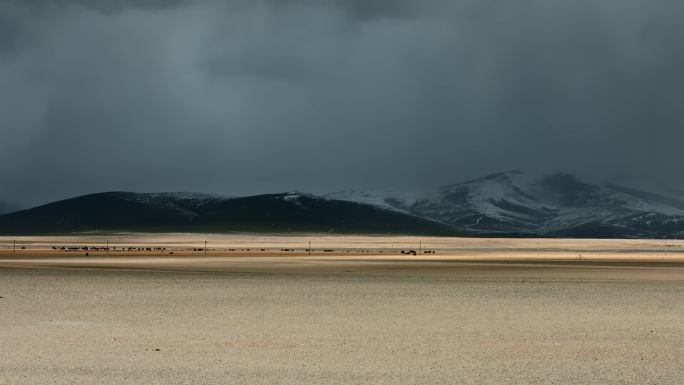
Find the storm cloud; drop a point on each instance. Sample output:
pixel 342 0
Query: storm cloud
pixel 249 96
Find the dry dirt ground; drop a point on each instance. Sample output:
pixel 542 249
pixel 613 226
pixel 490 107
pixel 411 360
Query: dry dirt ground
pixel 476 312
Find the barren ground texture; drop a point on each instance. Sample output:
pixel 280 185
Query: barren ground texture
pixel 476 311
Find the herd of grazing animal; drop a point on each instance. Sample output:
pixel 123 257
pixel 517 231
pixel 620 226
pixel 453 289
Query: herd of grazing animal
pixel 97 248
pixel 413 252
pixel 200 249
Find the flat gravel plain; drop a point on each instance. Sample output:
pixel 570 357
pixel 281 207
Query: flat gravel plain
pixel 475 323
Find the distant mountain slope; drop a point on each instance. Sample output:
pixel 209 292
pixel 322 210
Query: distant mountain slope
pixel 103 211
pixel 515 203
pixel 124 211
pixel 503 204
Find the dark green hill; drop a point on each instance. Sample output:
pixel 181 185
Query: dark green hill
pixel 277 213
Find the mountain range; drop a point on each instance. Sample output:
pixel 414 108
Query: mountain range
pixel 511 203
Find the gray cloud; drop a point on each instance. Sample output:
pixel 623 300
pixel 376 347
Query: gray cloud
pixel 107 6
pixel 252 96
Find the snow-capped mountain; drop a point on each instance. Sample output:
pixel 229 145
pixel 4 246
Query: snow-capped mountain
pixel 504 204
pixel 516 203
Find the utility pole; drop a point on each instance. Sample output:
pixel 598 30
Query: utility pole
pixel 420 247
pixel 539 234
pixel 205 247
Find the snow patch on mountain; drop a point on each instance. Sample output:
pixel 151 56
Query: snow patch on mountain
pixel 155 199
pixel 387 200
pixel 186 203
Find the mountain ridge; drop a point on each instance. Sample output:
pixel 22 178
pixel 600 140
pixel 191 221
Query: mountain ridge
pixel 551 205
pixel 170 212
pixel 511 203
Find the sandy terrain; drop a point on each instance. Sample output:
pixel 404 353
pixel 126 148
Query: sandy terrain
pixel 476 312
pixel 342 246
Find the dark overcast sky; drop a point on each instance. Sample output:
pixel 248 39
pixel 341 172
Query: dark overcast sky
pixel 249 96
